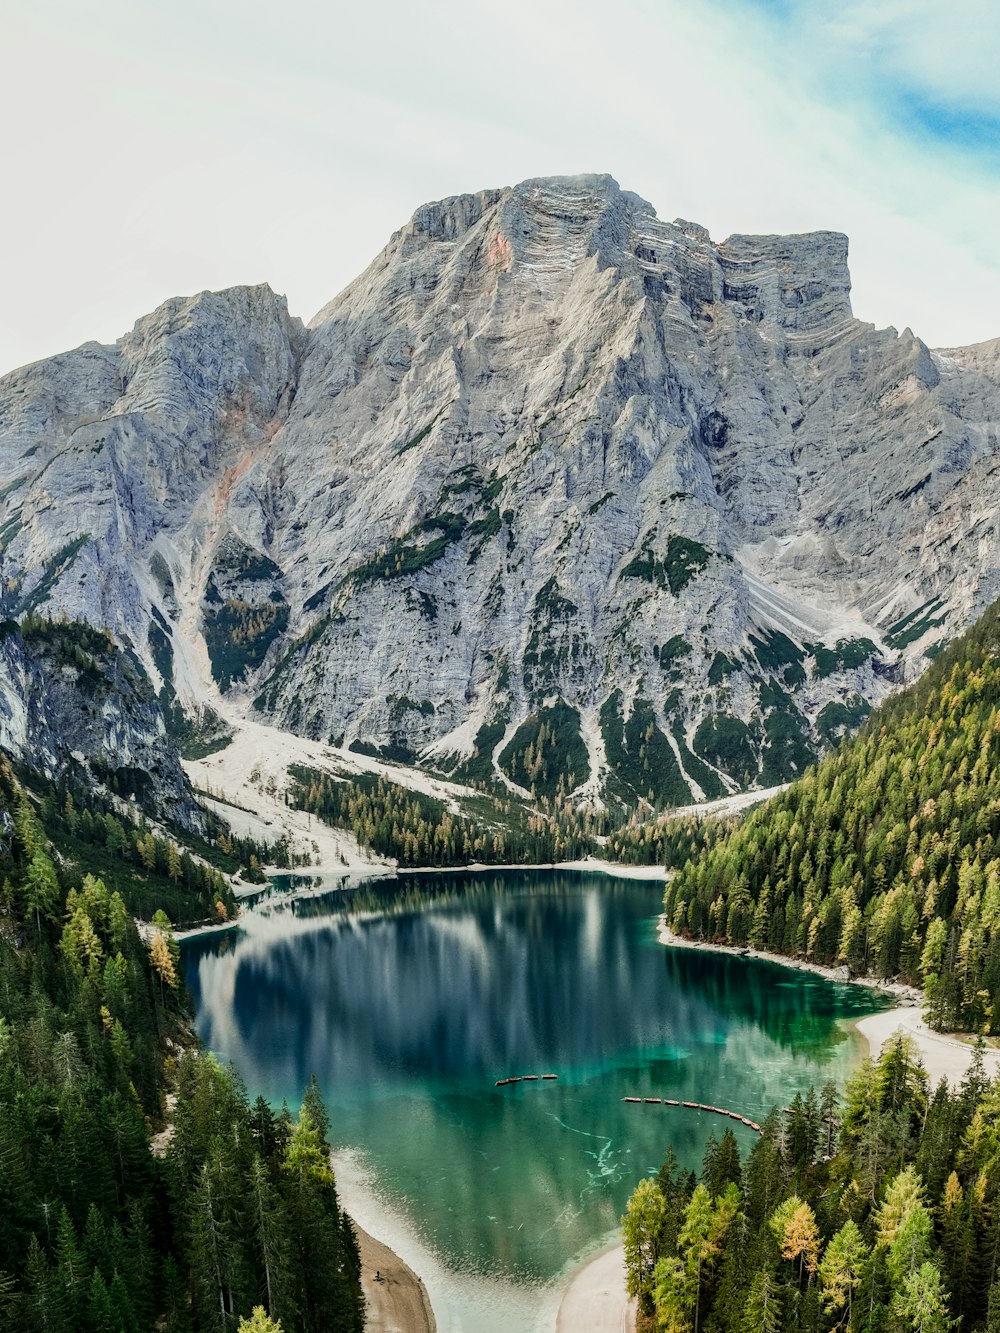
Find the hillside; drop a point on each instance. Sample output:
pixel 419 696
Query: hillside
pixel 235 1207
pixel 552 474
pixel 886 856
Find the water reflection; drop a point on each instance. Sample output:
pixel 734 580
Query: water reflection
pixel 409 998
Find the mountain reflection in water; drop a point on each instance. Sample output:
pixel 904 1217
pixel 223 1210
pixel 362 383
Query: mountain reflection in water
pixel 409 998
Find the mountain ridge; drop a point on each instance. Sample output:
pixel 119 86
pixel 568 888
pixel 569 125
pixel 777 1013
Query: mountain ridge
pixel 546 451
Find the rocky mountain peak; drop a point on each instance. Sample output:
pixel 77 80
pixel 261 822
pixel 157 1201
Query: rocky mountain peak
pixel 800 283
pixel 552 473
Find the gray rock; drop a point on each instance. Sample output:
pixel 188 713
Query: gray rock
pixel 74 707
pixel 546 447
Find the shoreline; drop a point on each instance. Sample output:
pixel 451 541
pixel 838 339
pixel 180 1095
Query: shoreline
pixel 458 1300
pixel 589 865
pixel 354 877
pixel 943 1055
pixel 395 1297
pixel 594 1299
pixel 911 995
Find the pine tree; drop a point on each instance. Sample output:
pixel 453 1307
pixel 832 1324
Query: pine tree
pixel 840 1270
pixel 641 1228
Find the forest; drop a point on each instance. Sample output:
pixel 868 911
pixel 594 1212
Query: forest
pixel 884 857
pixel 877 1211
pixel 421 830
pixel 139 1186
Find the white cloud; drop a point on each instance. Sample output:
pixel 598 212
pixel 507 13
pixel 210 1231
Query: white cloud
pixel 166 149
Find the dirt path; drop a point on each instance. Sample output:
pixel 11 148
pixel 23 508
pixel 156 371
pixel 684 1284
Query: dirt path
pixel 596 1300
pixel 944 1056
pixel 398 1302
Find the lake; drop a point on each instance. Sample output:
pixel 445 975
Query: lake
pixel 408 998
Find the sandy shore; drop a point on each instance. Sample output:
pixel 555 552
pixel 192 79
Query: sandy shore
pixel 596 1300
pixel 589 865
pixel 397 1301
pixel 944 1055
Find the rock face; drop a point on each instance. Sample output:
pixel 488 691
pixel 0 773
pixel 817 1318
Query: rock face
pixel 73 706
pixel 555 492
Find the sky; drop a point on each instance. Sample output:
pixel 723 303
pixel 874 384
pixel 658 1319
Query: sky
pixel 156 149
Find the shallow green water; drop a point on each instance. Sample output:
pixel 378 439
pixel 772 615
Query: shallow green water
pixel 408 999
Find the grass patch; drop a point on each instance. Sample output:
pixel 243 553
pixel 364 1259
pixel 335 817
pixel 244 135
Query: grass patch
pixel 54 570
pixel 479 765
pixel 778 654
pixel 913 626
pixel 848 655
pixel 707 778
pixel 721 667
pixel 642 762
pixel 670 653
pixel 422 435
pixel 599 504
pixel 683 560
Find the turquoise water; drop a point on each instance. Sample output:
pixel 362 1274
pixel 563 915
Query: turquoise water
pixel 408 999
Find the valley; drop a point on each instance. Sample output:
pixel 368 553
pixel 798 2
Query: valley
pixel 569 572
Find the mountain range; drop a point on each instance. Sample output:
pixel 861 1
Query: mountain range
pixel 555 495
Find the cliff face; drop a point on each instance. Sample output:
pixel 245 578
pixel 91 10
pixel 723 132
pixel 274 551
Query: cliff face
pixel 74 706
pixel 554 490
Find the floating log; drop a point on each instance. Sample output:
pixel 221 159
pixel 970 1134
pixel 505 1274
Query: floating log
pixel 699 1106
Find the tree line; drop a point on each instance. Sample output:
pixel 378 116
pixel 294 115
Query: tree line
pixel 421 830
pixel 886 856
pixel 877 1212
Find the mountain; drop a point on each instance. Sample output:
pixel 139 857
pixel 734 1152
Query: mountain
pixel 77 710
pixel 555 492
pixel 886 856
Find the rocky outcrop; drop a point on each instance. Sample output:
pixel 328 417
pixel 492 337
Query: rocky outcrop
pixel 76 708
pixel 555 491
